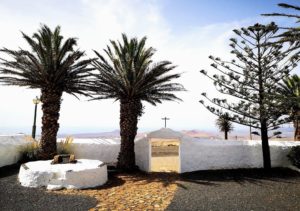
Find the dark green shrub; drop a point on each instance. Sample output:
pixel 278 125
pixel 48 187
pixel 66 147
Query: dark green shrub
pixel 294 156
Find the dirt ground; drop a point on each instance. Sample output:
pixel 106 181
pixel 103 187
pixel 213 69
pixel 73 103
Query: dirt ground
pixel 140 191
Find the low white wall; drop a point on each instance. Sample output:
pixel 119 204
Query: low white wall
pixel 105 150
pixel 195 154
pixel 142 154
pixel 201 154
pixel 10 149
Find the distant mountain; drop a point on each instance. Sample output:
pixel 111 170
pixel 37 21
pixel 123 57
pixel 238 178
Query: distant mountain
pixel 110 134
pixel 236 134
pixel 198 133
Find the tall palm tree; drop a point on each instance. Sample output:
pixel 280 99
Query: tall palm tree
pixel 287 6
pixel 291 34
pixel 224 124
pixel 130 76
pixel 290 89
pixel 53 66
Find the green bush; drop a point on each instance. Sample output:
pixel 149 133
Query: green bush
pixel 29 152
pixel 294 156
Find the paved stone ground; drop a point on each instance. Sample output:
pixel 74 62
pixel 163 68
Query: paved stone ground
pixel 15 197
pixel 139 191
pixel 238 190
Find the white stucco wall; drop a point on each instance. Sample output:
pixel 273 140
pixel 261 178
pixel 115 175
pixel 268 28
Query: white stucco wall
pixel 142 154
pixel 201 154
pixel 10 148
pixel 205 154
pixel 106 150
pixel 195 154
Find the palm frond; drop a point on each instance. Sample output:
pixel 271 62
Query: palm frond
pixel 129 73
pixel 224 123
pixel 51 63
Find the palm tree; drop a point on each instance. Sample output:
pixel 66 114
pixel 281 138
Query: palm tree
pixel 291 34
pixel 52 66
pixel 287 6
pixel 290 89
pixel 224 124
pixel 130 76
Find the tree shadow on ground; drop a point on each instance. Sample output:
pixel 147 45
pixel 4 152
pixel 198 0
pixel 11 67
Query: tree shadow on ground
pixel 165 179
pixel 215 177
pixel 256 176
pixel 7 171
pixel 113 181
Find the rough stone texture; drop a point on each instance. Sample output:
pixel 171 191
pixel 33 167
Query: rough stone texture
pixel 132 192
pixel 10 148
pixel 84 174
pixel 63 159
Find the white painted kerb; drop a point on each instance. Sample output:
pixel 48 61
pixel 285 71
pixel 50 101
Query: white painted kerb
pixel 84 174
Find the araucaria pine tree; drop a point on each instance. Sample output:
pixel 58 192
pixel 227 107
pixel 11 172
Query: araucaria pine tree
pixel 252 79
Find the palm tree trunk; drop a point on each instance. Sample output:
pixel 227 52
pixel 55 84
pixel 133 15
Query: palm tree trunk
pixel 226 135
pixel 129 113
pixel 51 101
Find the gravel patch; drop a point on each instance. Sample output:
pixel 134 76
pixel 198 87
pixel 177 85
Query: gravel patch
pixel 249 189
pixel 138 191
pixel 15 197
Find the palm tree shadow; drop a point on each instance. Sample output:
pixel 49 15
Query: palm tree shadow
pixel 114 180
pixel 240 176
pixel 11 170
pixel 207 177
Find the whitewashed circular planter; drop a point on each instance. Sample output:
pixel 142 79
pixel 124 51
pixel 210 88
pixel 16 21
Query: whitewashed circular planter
pixel 84 174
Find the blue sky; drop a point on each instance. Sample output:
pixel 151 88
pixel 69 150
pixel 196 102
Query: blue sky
pixel 190 13
pixel 184 32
